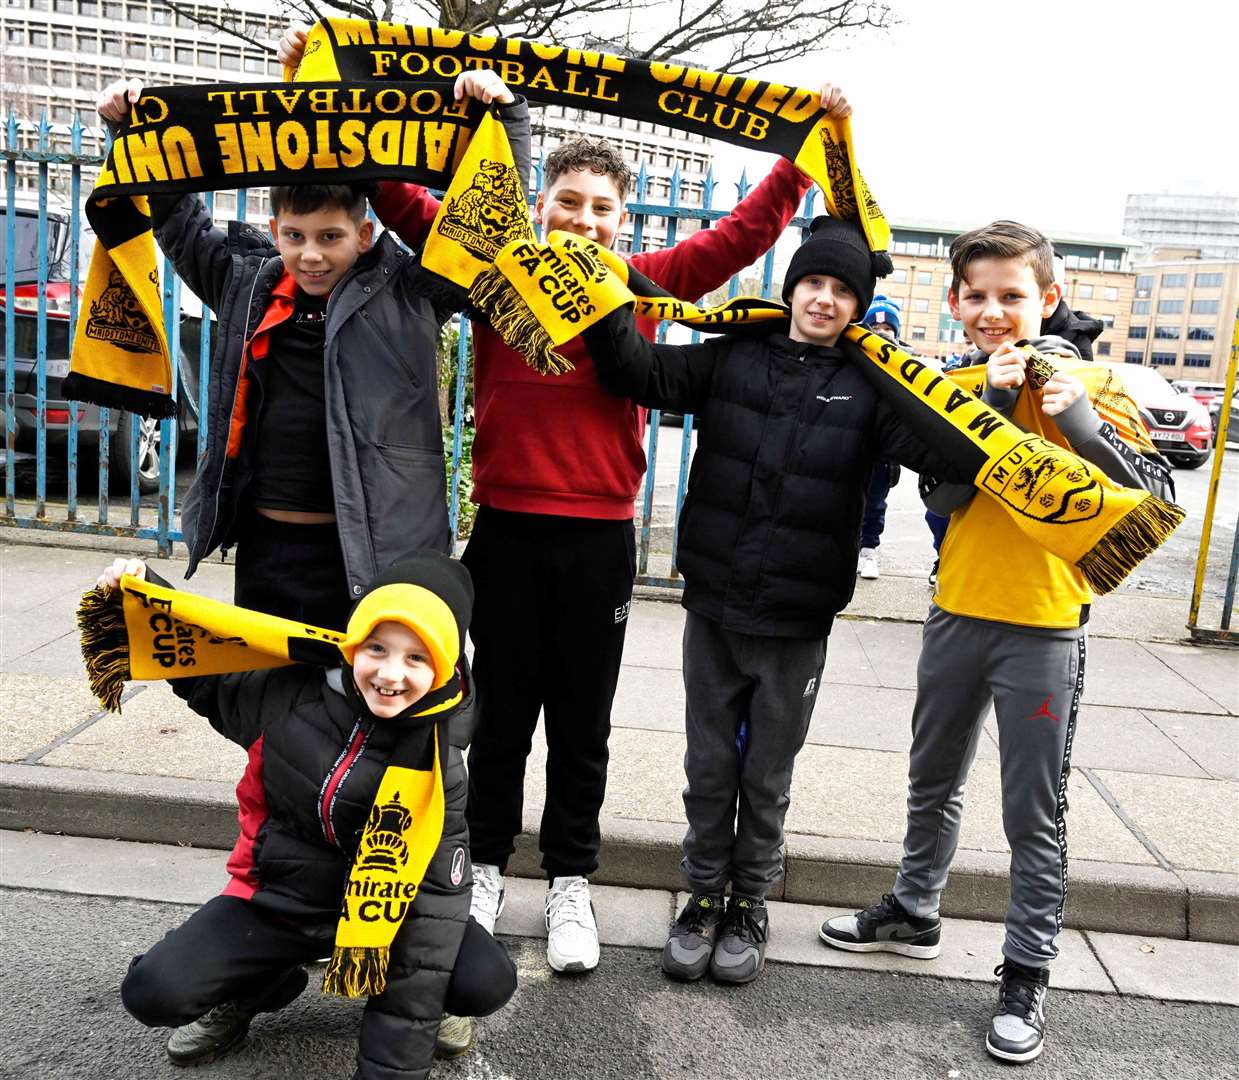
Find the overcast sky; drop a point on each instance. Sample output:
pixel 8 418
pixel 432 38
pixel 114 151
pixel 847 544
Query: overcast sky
pixel 1045 111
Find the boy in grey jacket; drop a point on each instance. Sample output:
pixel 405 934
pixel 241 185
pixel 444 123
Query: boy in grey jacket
pixel 324 459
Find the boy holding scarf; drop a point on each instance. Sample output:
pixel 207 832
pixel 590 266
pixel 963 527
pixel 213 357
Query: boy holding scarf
pixel 1016 639
pixel 790 434
pixel 557 463
pixel 352 832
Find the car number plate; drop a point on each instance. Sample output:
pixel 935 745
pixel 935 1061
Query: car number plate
pixel 57 369
pixel 1170 436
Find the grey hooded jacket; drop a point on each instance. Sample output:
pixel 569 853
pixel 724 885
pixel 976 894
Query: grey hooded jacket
pixel 384 427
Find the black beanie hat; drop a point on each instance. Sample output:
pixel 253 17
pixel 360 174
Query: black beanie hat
pixel 838 248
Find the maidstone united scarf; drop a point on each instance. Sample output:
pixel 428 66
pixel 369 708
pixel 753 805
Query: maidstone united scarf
pixel 541 295
pixel 355 112
pixel 147 630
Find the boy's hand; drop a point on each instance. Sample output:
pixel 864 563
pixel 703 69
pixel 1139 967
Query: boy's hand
pixel 1059 392
pixel 114 99
pixel 291 46
pixel 1005 369
pixel 110 578
pixel 833 101
pixel 484 85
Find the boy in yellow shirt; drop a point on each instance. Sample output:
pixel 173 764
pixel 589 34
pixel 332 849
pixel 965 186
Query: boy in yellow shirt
pixel 1008 627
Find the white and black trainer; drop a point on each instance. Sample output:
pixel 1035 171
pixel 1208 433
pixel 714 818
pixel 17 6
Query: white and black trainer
pixel 1017 1030
pixel 488 895
pixel 885 927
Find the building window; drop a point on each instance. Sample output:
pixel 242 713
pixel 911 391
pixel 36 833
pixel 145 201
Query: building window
pixel 924 277
pixel 1174 281
pixel 88 7
pixel 1200 333
pixel 1103 348
pixel 1163 359
pixel 1144 284
pixel 1107 321
pixel 135 50
pixel 137 13
pixel 1085 292
pixel 1204 307
pixel 185 55
pixel 1133 358
pixel 1175 307
pixel 1140 307
pixel 1138 333
pixel 1208 281
pixel 1111 292
pixel 918 333
pixel 1197 359
pixel 1167 333
pixel 900 276
pixel 920 305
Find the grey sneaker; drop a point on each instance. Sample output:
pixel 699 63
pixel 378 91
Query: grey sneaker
pixel 740 951
pixel 686 956
pixel 1017 1030
pixel 455 1036
pixel 223 1027
pixel 885 927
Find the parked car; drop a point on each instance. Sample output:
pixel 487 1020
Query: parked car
pixel 1232 425
pixel 1205 392
pixel 1178 424
pixel 21 321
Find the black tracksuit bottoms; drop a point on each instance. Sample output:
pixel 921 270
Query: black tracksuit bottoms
pixel 551 605
pixel 231 950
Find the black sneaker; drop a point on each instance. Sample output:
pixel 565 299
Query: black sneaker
pixel 686 956
pixel 223 1027
pixel 740 951
pixel 1017 1031
pixel 884 927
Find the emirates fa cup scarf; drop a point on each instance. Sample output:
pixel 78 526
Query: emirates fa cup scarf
pixel 541 295
pixel 354 112
pixel 146 631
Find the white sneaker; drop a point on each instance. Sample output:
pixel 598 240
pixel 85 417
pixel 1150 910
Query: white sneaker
pixel 867 565
pixel 487 903
pixel 571 930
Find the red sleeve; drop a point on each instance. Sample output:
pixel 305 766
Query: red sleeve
pixel 407 209
pixel 704 261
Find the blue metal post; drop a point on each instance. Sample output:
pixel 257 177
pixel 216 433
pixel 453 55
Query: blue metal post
pixel 75 230
pixel 458 419
pixel 10 345
pixel 168 427
pixel 40 490
pixel 204 359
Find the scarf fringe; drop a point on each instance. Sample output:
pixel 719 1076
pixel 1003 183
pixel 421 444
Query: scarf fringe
pixel 514 321
pixel 1137 535
pixel 355 972
pixel 149 403
pixel 105 644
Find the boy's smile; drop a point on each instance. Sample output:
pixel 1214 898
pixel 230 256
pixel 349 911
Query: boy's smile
pixel 822 306
pixel 392 669
pixel 1001 301
pixel 319 248
pixel 583 202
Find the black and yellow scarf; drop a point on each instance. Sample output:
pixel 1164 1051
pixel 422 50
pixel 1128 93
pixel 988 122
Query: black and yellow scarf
pixel 539 295
pixel 356 111
pixel 147 631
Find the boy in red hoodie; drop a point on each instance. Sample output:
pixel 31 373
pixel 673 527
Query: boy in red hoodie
pixel 557 462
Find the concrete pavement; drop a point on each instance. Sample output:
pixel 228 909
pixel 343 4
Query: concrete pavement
pixel 1154 793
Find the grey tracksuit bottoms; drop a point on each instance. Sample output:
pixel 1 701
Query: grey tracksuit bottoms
pixel 749 699
pixel 1034 680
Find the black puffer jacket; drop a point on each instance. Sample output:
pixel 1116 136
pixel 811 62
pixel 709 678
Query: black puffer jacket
pixel 314 768
pixel 384 430
pixel 770 529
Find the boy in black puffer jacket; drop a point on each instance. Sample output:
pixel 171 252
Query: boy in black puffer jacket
pixel 790 432
pixel 320 742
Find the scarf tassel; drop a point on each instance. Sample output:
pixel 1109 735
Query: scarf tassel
pixel 1137 535
pixel 149 403
pixel 105 644
pixel 513 320
pixel 356 972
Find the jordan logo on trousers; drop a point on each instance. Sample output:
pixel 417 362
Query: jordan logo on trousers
pixel 1045 710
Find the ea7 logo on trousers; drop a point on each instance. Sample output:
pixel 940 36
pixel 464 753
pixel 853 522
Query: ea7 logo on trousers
pixel 621 613
pixel 810 687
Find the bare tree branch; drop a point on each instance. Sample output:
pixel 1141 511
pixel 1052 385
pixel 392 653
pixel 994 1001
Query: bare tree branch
pixel 736 36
